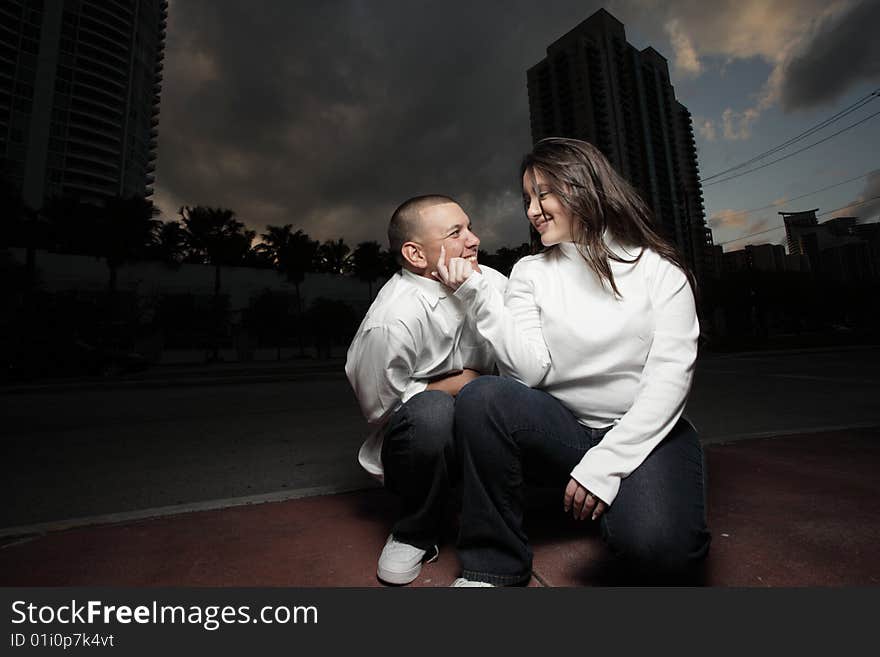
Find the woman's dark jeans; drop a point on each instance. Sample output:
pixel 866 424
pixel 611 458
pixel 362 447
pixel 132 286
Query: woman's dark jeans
pixel 510 435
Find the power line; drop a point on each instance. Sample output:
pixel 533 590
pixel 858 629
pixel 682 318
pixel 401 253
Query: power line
pixel 800 150
pixel 832 119
pixel 797 198
pixel 770 230
pixel 849 205
pixel 744 237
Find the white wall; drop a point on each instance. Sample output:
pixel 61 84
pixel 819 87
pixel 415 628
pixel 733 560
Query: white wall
pixel 59 272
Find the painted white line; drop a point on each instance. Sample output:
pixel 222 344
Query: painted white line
pixel 811 377
pixel 787 432
pixel 804 377
pixel 172 510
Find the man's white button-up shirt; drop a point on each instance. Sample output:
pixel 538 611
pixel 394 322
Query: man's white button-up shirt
pixel 415 330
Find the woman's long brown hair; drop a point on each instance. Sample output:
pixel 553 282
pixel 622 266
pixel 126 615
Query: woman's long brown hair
pixel 599 199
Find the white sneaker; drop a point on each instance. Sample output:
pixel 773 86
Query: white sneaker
pixel 463 582
pixel 400 563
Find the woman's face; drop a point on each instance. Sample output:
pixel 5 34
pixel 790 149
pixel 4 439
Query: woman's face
pixel 555 222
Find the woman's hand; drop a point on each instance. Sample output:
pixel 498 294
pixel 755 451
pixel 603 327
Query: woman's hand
pixel 581 502
pixel 458 272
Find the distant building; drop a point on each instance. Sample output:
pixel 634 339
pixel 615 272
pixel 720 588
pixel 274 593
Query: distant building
pixel 764 258
pixel 595 86
pixel 79 96
pixel 839 248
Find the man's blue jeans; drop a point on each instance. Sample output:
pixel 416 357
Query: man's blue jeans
pixel 510 435
pixel 420 465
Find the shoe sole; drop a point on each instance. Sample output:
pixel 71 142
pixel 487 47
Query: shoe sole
pixel 405 577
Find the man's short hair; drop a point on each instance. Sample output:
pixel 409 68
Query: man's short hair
pixel 404 224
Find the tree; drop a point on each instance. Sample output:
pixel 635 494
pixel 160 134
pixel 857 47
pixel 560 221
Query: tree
pixel 125 233
pixel 505 258
pixel 214 236
pixel 368 264
pixel 293 254
pixel 335 257
pixel 169 244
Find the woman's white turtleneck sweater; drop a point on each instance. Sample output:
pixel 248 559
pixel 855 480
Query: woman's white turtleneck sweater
pixel 624 361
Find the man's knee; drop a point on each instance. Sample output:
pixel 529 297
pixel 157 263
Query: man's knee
pixel 430 415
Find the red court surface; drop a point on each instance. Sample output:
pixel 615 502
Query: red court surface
pixel 797 510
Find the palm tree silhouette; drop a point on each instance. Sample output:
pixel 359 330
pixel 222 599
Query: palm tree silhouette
pixel 294 255
pixel 214 236
pixel 126 230
pixel 368 264
pixel 335 257
pixel 169 244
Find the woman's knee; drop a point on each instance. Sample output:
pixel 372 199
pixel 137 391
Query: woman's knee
pixel 485 396
pixel 657 548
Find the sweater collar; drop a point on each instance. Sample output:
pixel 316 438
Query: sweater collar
pixel 570 249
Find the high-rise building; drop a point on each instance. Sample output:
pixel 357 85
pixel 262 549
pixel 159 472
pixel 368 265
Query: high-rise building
pixel 79 96
pixel 595 86
pixel 840 248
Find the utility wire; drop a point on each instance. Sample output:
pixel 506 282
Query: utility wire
pixel 832 119
pixel 770 230
pixel 800 150
pixel 797 198
pixel 849 205
pixel 760 232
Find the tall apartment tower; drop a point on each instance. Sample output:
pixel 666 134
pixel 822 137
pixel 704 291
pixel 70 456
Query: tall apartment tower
pixel 79 96
pixel 595 86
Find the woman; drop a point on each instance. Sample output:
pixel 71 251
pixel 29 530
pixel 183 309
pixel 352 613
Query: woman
pixel 596 339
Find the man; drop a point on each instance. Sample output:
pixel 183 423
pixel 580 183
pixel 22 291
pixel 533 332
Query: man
pixel 411 355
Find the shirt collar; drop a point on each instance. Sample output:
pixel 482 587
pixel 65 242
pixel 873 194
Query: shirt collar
pixel 430 290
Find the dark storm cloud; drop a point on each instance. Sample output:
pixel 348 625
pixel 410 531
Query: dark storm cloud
pixel 328 115
pixel 867 205
pixel 844 52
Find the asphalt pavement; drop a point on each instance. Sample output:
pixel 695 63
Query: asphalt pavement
pixel 178 439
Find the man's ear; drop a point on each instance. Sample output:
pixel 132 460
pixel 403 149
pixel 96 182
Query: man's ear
pixel 414 255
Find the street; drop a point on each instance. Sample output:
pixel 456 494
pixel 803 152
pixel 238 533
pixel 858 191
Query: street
pixel 80 453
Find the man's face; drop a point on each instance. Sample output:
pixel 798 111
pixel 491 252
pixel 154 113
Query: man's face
pixel 446 224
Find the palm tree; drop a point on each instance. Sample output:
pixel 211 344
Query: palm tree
pixel 274 243
pixel 125 233
pixel 214 236
pixel 170 242
pixel 335 257
pixel 505 258
pixel 368 264
pixel 294 255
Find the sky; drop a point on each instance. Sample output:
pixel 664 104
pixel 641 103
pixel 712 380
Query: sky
pixel 327 115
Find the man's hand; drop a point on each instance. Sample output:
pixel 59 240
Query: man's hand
pixel 453 382
pixel 581 502
pixel 458 272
